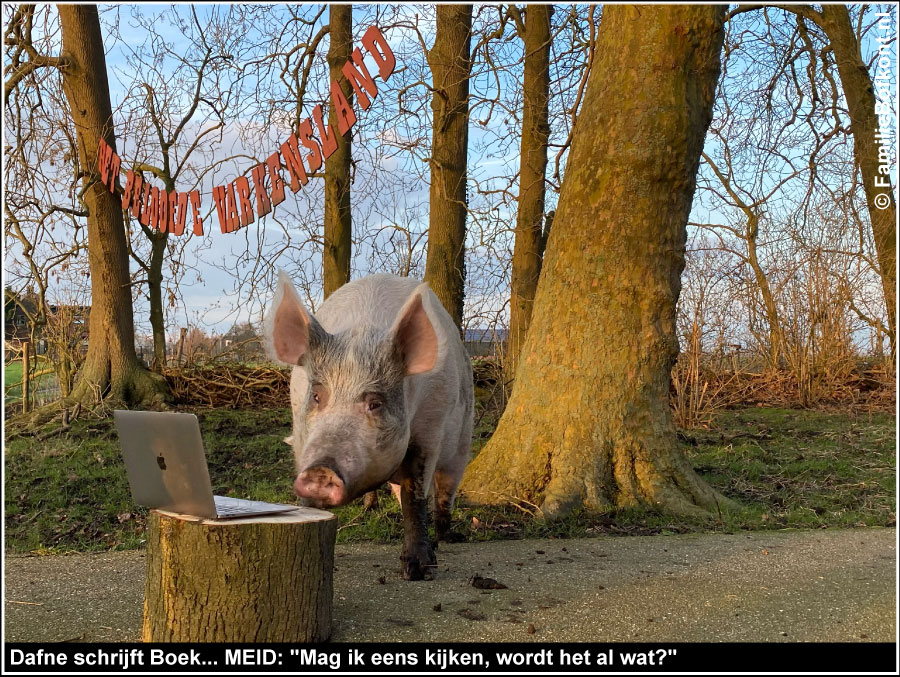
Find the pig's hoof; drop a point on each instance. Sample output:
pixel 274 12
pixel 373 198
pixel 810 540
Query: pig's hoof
pixel 415 568
pixel 370 501
pixel 453 537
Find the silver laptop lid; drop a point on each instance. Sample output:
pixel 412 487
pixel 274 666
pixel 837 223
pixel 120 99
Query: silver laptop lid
pixel 165 461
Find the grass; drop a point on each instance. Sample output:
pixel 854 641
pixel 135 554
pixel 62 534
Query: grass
pixel 12 380
pixel 788 468
pixel 802 468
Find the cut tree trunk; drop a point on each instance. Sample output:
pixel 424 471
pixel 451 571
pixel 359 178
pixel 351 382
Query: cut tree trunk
pixel 336 249
pixel 588 424
pixel 450 65
pixel 528 250
pixel 263 579
pixel 179 351
pixel 111 367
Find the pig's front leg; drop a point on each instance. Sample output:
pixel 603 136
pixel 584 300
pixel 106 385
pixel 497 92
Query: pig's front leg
pixel 418 560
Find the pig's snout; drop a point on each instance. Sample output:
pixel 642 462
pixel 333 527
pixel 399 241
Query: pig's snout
pixel 322 486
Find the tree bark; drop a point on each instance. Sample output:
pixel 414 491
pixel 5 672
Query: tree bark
pixel 765 290
pixel 860 96
pixel 265 579
pixel 450 64
pixel 154 286
pixel 589 423
pixel 528 249
pixel 336 250
pixel 111 366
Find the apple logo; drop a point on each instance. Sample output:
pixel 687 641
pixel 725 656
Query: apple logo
pixel 161 462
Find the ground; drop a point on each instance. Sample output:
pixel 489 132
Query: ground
pixel 788 468
pixel 820 585
pixel 786 567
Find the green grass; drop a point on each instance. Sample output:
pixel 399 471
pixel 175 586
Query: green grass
pixel 787 468
pixel 12 379
pixel 798 468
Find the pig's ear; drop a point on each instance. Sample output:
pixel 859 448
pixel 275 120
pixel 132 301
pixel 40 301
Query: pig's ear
pixel 414 335
pixel 290 329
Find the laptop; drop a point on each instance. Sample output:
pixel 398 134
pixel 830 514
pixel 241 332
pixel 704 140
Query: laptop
pixel 167 468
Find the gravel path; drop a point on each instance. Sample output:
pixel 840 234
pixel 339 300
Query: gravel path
pixel 829 585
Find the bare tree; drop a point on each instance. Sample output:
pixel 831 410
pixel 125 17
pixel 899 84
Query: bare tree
pixel 843 49
pixel 111 366
pixel 529 247
pixel 450 64
pixel 338 226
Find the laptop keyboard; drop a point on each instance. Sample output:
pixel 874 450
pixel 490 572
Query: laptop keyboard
pixel 227 506
pixel 234 510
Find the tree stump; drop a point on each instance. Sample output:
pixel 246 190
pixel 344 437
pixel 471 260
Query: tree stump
pixel 261 579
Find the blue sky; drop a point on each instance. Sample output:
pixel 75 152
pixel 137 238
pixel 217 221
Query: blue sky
pixel 399 193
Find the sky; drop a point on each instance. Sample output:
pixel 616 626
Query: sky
pixel 390 187
pixel 215 301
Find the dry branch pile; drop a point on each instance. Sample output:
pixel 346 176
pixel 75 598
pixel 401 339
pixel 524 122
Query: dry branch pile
pixel 230 385
pixel 873 388
pixel 233 385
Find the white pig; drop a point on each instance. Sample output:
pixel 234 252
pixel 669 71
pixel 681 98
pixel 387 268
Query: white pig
pixel 381 390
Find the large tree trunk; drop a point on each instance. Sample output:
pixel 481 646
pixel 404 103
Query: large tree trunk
pixel 589 424
pixel 336 250
pixel 528 250
pixel 860 96
pixel 450 68
pixel 261 579
pixel 111 366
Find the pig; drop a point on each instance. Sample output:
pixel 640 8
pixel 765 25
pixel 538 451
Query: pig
pixel 381 391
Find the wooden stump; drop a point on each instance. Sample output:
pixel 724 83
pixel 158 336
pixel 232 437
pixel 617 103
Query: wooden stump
pixel 261 579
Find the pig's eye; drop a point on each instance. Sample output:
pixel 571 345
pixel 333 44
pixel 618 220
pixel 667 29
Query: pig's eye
pixel 374 405
pixel 317 397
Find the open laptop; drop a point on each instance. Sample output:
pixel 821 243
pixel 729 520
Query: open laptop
pixel 167 468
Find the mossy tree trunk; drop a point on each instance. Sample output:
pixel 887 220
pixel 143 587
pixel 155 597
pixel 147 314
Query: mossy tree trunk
pixel 111 366
pixel 450 64
pixel 337 245
pixel 528 249
pixel 588 423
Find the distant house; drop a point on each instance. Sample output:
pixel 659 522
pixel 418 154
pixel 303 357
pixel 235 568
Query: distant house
pixel 16 324
pixel 483 341
pixel 18 312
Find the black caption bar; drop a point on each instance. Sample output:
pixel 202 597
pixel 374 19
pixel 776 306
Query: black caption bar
pixel 436 658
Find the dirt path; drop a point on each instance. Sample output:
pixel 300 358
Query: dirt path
pixel 832 585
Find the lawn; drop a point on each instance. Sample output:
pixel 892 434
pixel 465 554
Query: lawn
pixel 12 380
pixel 787 468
